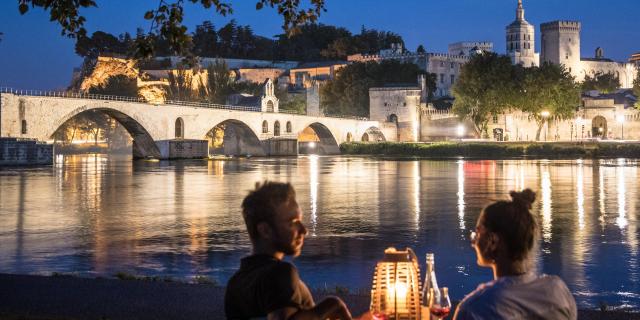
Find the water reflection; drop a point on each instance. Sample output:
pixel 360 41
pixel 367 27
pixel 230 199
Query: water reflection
pixel 313 191
pixel 545 190
pixel 102 215
pixel 461 193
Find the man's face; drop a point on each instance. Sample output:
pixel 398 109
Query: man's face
pixel 288 230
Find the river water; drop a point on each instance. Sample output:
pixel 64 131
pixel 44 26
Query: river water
pixel 97 215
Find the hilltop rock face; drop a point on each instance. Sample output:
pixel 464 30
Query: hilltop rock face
pixel 106 67
pixel 97 73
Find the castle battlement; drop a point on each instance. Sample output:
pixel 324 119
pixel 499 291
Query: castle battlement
pixel 447 56
pixel 564 25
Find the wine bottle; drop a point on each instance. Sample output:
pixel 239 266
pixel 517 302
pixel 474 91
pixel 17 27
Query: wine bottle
pixel 430 286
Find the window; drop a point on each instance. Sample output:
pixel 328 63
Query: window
pixel 270 106
pixel 495 118
pixel 442 63
pixel 453 65
pixel 289 127
pixel 265 127
pixel 24 127
pixel 276 128
pixel 179 128
pixel 442 78
pixel 404 104
pixel 453 78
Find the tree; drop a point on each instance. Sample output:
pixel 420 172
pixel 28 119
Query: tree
pixel 167 19
pixel 348 92
pixel 291 102
pixel 205 40
pixel 103 43
pixel 218 85
pixel 180 84
pixel 118 85
pixel 485 88
pixel 636 89
pixel 548 92
pixel 603 82
pixel 421 49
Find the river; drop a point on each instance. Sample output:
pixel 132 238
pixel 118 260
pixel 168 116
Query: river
pixel 97 215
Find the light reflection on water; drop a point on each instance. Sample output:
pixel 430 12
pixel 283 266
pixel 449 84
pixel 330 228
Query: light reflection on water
pixel 98 215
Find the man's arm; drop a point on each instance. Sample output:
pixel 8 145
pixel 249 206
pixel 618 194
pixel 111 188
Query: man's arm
pixel 329 308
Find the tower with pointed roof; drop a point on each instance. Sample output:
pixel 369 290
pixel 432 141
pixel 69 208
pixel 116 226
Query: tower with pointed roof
pixel 521 43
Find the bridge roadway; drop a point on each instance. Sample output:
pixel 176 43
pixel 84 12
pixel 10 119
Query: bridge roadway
pixel 38 115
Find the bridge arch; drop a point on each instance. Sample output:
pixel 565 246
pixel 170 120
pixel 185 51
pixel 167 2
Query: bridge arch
pixel 373 134
pixel 144 145
pixel 322 141
pixel 233 137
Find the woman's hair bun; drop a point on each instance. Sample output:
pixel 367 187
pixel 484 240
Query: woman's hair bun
pixel 525 197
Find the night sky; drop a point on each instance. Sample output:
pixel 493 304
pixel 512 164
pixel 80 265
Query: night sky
pixel 33 54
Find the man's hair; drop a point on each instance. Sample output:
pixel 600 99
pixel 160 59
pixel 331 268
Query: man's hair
pixel 260 204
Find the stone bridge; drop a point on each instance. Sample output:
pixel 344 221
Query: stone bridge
pixel 155 128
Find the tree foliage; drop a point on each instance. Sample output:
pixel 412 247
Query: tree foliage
pixel 102 43
pixel 603 82
pixel 313 42
pixel 181 85
pixel 548 88
pixel 348 92
pixel 636 89
pixel 218 85
pixel 118 85
pixel 167 19
pixel 485 88
pixel 490 85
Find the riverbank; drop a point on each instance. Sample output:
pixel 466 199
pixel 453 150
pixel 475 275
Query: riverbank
pixel 29 297
pixel 496 150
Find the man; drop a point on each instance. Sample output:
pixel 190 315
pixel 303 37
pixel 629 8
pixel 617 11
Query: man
pixel 265 285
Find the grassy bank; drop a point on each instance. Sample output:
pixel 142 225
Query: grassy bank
pixel 495 150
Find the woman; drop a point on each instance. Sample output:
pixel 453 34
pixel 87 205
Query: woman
pixel 504 238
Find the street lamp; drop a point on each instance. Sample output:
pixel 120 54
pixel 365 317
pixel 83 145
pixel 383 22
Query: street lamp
pixel 580 122
pixel 460 131
pixel 620 119
pixel 545 114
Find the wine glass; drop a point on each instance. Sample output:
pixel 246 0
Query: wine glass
pixel 440 304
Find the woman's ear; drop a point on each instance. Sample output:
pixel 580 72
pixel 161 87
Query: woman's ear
pixel 264 230
pixel 493 242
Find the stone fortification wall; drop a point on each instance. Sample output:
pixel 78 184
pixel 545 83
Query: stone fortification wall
pixel 16 152
pixel 398 106
pixel 627 72
pixel 259 75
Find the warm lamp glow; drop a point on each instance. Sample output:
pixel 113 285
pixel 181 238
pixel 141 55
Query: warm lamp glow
pixel 544 113
pixel 620 119
pixel 396 286
pixel 460 130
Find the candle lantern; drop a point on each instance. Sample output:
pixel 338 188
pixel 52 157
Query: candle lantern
pixel 395 293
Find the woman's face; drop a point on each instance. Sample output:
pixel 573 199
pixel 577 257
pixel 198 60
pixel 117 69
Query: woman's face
pixel 485 243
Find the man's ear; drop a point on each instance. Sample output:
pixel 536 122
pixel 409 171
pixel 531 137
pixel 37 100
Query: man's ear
pixel 264 230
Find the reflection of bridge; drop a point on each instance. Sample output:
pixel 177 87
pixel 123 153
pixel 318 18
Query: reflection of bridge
pixel 156 129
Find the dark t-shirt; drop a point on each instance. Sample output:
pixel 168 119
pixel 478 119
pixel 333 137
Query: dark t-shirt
pixel 262 285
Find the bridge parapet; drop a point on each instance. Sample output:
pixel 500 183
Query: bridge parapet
pixel 196 104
